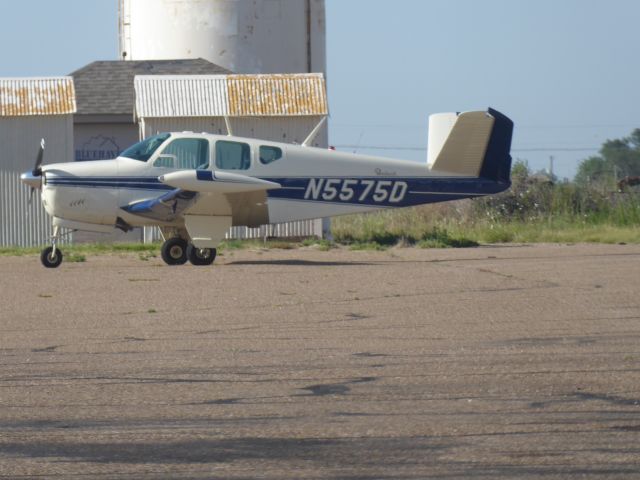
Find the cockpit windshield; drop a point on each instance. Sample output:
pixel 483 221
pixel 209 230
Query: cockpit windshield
pixel 143 150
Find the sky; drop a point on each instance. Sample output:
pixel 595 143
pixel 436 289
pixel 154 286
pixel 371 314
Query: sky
pixel 565 71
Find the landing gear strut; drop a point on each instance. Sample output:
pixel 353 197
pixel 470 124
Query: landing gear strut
pixel 174 251
pixel 51 257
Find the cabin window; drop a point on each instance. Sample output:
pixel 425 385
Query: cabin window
pixel 145 149
pixel 185 154
pixel 233 155
pixel 269 154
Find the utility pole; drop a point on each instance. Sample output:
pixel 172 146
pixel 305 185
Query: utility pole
pixel 551 166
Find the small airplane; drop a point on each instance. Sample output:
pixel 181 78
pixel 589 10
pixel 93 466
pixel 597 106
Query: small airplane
pixel 195 186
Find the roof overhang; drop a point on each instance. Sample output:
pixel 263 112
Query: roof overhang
pixel 37 96
pixel 282 95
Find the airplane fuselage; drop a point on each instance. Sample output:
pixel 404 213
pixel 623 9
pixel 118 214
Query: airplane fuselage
pixel 195 186
pixel 313 183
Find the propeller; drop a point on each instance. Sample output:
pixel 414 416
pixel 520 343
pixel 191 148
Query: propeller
pixel 37 171
pixel 33 179
pixel 30 201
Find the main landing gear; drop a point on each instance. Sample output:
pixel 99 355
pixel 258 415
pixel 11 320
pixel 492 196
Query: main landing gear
pixel 51 257
pixel 176 251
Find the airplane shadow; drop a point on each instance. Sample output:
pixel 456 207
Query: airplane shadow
pixel 300 263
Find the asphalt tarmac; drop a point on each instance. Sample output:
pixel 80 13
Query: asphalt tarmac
pixel 494 362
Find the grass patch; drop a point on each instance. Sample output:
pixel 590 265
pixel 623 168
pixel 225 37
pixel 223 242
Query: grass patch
pixel 554 231
pixel 75 257
pixel 402 227
pixel 231 245
pixel 445 227
pixel 456 226
pixel 79 252
pixel 145 256
pixel 367 246
pixel 319 243
pixel 275 243
pixel 282 244
pixel 19 251
pixel 440 238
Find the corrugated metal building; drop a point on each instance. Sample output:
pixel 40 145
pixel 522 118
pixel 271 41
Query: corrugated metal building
pixel 31 109
pixel 282 108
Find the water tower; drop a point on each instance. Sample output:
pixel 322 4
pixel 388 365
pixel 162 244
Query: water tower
pixel 259 36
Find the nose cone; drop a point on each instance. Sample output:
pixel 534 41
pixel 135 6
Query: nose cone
pixel 31 180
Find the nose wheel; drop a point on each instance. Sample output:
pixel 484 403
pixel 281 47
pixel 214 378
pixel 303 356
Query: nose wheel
pixel 51 257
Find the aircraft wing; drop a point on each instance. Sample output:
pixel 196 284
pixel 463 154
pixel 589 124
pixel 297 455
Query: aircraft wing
pixel 207 181
pixel 208 193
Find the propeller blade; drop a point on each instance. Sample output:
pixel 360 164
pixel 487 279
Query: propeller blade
pixel 38 168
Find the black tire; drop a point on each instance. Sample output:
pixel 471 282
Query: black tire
pixel 49 260
pixel 174 251
pixel 201 256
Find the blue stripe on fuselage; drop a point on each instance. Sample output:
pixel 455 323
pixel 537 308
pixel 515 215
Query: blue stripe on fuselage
pixel 383 191
pixel 371 191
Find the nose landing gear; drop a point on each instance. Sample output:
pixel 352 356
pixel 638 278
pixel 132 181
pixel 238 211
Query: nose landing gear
pixel 51 257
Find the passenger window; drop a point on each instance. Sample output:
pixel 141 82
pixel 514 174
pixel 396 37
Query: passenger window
pixel 185 153
pixel 233 155
pixel 269 154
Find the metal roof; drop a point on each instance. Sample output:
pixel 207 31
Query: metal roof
pixel 106 87
pixel 37 96
pixel 230 95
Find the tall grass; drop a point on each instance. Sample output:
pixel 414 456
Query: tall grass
pixel 529 212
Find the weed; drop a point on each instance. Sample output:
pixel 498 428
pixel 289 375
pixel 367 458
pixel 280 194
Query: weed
pixel 281 244
pixel 75 257
pixel 319 243
pixel 145 256
pixel 231 245
pixel 367 246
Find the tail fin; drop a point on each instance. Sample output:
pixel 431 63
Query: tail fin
pixel 474 144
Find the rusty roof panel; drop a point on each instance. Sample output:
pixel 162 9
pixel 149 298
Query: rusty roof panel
pixel 37 96
pixel 281 95
pixel 230 95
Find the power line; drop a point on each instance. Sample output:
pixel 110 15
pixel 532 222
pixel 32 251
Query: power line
pixel 557 149
pixel 519 127
pixel 423 149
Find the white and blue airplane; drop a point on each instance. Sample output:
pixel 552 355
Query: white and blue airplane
pixel 195 186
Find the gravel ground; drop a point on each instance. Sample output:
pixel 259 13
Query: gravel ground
pixel 493 362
